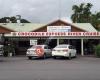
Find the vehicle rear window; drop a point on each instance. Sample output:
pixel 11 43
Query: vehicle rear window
pixel 62 46
pixel 37 46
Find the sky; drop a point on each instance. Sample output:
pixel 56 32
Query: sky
pixel 43 11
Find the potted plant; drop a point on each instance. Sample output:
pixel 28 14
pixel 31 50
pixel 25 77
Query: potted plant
pixel 8 50
pixel 97 51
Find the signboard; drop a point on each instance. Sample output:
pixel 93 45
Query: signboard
pixel 48 34
pixel 33 42
pixel 58 28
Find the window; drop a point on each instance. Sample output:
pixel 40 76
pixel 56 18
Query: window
pixel 62 46
pixel 46 47
pixel 70 47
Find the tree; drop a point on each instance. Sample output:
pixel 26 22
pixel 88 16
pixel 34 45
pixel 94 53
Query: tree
pixel 95 20
pixel 83 14
pixel 87 13
pixel 12 20
pixel 75 15
pixel 24 21
pixel 78 11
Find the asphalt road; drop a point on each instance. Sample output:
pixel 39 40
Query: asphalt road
pixel 20 68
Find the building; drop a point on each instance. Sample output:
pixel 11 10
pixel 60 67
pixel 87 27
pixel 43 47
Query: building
pixel 77 34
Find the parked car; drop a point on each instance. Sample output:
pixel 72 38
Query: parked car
pixel 39 51
pixel 1 50
pixel 64 50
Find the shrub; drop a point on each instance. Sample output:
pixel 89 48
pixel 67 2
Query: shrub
pixel 7 50
pixel 97 50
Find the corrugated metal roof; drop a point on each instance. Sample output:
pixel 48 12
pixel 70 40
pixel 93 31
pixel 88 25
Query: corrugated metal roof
pixel 85 26
pixel 23 27
pixel 28 27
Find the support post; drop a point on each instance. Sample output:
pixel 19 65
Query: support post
pixel 82 47
pixel 57 41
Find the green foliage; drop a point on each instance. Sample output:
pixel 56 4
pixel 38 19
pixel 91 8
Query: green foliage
pixel 12 19
pixel 83 14
pixel 24 21
pixel 97 50
pixel 95 20
pixel 8 49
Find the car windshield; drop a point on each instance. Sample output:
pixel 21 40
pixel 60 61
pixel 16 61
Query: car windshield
pixel 62 46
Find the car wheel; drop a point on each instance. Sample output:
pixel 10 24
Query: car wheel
pixel 69 57
pixel 29 57
pixel 44 56
pixel 75 56
pixel 54 57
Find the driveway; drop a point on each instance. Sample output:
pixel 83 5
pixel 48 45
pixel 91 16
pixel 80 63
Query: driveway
pixel 20 68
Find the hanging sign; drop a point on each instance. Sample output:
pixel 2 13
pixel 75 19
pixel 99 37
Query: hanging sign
pixel 58 28
pixel 33 42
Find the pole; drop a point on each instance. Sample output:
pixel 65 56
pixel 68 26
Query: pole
pixel 82 47
pixel 57 41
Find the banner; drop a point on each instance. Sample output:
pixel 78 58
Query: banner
pixel 52 34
